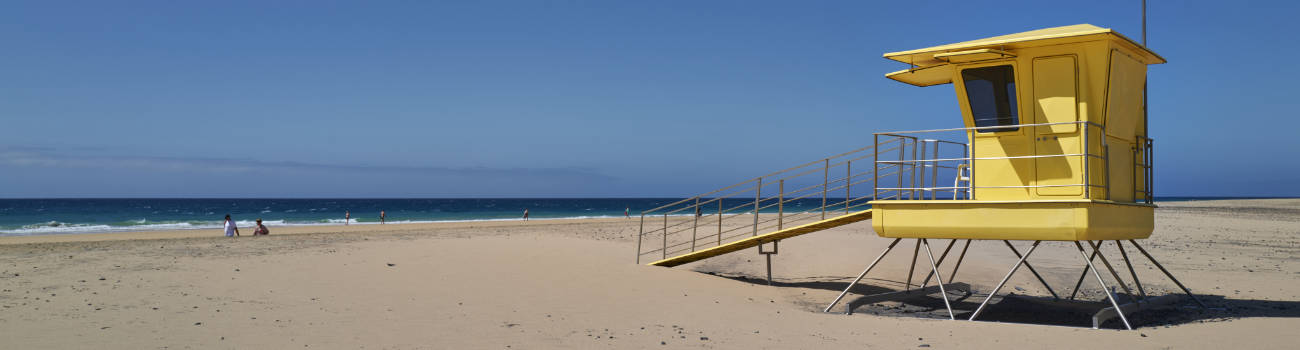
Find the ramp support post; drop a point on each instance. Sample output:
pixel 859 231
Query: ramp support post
pixel 768 254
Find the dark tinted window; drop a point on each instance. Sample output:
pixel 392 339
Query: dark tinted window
pixel 991 92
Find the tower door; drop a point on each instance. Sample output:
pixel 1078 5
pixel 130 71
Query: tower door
pixel 1056 101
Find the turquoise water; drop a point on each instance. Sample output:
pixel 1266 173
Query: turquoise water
pixel 23 217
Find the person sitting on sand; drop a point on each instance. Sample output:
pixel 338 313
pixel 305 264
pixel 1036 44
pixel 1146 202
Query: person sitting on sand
pixel 231 230
pixel 261 229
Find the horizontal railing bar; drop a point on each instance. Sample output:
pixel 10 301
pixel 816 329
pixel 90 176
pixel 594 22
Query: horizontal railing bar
pixel 987 158
pixel 765 176
pixel 899 133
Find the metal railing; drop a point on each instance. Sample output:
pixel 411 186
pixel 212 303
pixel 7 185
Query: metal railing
pixel 807 193
pixel 1142 159
pixel 937 163
pixel 899 166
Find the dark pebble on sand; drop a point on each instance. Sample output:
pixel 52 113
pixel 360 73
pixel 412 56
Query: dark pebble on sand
pixel 704 338
pixel 198 323
pixel 391 264
pixel 923 346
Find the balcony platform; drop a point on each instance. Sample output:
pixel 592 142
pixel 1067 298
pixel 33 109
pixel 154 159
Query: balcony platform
pixel 1031 220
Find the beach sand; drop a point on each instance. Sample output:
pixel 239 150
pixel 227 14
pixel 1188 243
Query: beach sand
pixel 574 284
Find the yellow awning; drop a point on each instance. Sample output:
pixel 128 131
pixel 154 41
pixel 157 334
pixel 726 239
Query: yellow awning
pixel 1042 37
pixel 924 76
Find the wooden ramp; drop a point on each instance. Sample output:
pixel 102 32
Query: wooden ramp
pixel 765 238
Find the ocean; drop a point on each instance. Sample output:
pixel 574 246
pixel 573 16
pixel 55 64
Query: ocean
pixel 25 217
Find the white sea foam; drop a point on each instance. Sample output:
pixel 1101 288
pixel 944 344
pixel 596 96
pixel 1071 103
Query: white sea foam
pixel 54 227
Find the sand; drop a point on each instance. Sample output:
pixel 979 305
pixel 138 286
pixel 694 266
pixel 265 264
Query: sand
pixel 574 284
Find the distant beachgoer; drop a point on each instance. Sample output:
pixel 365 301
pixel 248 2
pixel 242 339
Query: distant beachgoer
pixel 382 216
pixel 697 212
pixel 625 212
pixel 525 214
pixel 231 230
pixel 261 229
pixel 347 216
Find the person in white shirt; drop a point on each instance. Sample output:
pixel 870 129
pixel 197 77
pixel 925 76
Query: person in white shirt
pixel 231 230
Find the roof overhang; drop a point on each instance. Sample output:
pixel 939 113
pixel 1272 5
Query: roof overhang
pixel 930 62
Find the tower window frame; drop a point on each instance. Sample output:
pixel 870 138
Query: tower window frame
pixel 991 97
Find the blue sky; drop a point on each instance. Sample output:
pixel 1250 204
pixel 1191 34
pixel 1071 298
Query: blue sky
pixel 567 98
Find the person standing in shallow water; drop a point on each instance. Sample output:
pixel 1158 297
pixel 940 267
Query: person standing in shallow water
pixel 625 212
pixel 347 217
pixel 525 214
pixel 231 229
pixel 382 216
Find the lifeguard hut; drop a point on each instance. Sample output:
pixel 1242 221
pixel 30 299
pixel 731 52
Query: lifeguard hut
pixel 1054 147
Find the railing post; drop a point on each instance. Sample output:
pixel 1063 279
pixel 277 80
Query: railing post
pixel 934 173
pixel 780 205
pixel 1133 175
pixel 665 250
pixel 902 151
pixel 640 237
pixel 916 143
pixel 921 174
pixel 1087 161
pixel 695 227
pixel 826 177
pixel 758 198
pixel 1151 170
pixel 1106 147
pixel 875 166
pixel 848 182
pixel 720 220
pixel 971 169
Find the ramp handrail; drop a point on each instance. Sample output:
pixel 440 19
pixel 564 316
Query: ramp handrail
pixel 788 197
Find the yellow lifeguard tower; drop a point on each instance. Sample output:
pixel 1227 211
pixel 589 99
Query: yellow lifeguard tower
pixel 1054 147
pixel 1055 134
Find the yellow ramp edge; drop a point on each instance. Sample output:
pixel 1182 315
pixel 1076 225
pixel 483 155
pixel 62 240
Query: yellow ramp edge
pixel 764 238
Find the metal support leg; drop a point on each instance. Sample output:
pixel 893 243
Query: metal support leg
pixel 1170 275
pixel 1130 269
pixel 1083 254
pixel 1081 277
pixel 1031 269
pixel 953 276
pixel 1004 280
pixel 939 279
pixel 864 274
pixel 1097 248
pixel 912 269
pixel 943 255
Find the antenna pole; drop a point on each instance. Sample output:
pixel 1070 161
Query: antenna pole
pixel 1146 120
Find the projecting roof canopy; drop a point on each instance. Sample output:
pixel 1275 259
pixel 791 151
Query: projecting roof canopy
pixel 931 64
